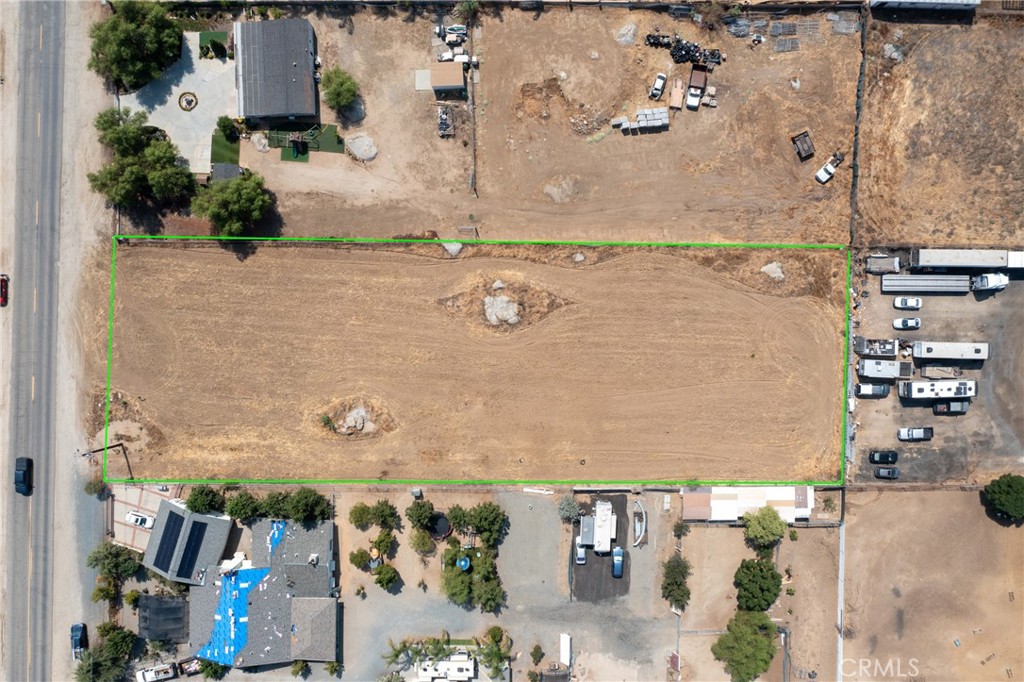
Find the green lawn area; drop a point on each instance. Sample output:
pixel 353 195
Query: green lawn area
pixel 330 141
pixel 206 36
pixel 223 151
pixel 286 155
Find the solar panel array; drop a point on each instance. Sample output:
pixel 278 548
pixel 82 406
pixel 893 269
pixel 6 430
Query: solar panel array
pixel 192 546
pixel 168 541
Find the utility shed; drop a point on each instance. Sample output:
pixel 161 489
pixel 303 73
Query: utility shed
pixel 447 77
pixel 274 67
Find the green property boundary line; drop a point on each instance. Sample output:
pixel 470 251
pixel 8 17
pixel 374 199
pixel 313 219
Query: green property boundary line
pixel 497 482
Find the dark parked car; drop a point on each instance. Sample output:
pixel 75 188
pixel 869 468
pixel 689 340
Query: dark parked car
pixel 23 475
pixel 883 456
pixel 5 283
pixel 79 640
pixel 618 556
pixel 890 473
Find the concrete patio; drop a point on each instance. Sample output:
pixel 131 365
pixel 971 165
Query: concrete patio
pixel 213 83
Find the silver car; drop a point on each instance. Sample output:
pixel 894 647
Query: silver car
pixel 581 552
pixel 906 323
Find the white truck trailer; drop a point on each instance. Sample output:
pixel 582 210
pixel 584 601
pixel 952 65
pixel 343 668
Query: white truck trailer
pixel 885 369
pixel 943 284
pixel 934 350
pixel 946 259
pixel 937 390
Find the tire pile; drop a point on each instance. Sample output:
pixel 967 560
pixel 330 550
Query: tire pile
pixel 683 51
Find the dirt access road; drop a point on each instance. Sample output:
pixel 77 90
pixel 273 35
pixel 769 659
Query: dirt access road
pixel 630 365
pixel 718 175
pixel 942 141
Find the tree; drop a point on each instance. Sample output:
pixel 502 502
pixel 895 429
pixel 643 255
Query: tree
pixel 113 562
pixel 385 515
pixel 467 10
pixel 212 670
pixel 359 558
pixel 536 654
pixel 420 514
pixel 338 87
pixel 490 522
pixel 383 542
pixel 495 651
pixel 747 647
pixel 99 664
pixel 227 128
pixel 680 529
pixel 120 642
pixel 758 585
pixel 568 509
pixel 135 44
pixel 123 181
pixel 167 175
pixel 275 505
pixel 360 515
pixel 489 594
pixel 127 133
pixel 332 668
pixel 203 499
pixel 459 518
pixel 300 669
pixel 675 571
pixel 244 506
pixel 1006 495
pixel 386 576
pixel 307 506
pixel 421 542
pixel 764 527
pixel 232 206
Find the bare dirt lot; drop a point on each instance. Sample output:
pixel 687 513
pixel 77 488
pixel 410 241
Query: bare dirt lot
pixel 727 175
pixel 911 594
pixel 655 367
pixel 942 142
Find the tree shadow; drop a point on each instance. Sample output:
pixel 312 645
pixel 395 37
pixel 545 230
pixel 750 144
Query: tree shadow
pixel 1000 517
pixel 157 93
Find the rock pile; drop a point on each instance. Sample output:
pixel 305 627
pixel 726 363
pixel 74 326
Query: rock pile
pixel 357 421
pixel 500 309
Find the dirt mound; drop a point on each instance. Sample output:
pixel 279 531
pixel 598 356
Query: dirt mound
pixel 484 304
pixel 128 425
pixel 356 418
pixel 541 100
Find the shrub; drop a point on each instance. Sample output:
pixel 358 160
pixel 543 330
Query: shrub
pixel 120 642
pixel 680 529
pixel 227 128
pixel 332 668
pixel 830 504
pixel 532 676
pixel 113 562
pixel 359 558
pixel 386 576
pixel 466 11
pixel 568 509
pixel 300 669
pixel 385 515
pixel 328 423
pixel 212 670
pixel 104 592
pixel 383 542
pixel 793 535
pixel 132 598
pixel 338 87
pixel 536 654
pixel 96 487
pixel 790 591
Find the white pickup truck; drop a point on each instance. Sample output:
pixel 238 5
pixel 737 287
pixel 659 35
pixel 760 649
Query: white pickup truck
pixel 915 433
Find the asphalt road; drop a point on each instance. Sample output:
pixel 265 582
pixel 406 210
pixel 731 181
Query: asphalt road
pixel 29 521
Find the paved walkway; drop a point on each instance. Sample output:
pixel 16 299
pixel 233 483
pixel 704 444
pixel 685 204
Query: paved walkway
pixel 212 81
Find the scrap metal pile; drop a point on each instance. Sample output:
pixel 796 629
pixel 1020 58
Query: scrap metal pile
pixel 683 51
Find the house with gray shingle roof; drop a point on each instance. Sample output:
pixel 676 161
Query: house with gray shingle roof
pixel 278 606
pixel 275 63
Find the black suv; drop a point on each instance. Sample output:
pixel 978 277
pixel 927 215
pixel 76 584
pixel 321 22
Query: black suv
pixel 23 475
pixel 883 456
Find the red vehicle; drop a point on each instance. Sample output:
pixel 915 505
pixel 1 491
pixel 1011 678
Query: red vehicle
pixel 4 282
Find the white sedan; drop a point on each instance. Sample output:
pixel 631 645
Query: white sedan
pixel 906 303
pixel 906 323
pixel 140 520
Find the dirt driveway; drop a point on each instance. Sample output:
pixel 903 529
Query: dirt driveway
pixel 933 583
pixel 628 365
pixel 942 142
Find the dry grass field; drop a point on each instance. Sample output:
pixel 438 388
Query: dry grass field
pixel 653 364
pixel 942 140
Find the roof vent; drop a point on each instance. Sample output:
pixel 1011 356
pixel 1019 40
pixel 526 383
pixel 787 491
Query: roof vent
pixel 314 559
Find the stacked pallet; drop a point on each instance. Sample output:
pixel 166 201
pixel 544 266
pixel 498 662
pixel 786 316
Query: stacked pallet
pixel 647 121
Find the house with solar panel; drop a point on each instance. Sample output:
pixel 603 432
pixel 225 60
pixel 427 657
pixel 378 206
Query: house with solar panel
pixel 184 545
pixel 277 605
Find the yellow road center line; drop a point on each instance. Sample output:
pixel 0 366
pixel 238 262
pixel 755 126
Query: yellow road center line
pixel 33 387
pixel 40 37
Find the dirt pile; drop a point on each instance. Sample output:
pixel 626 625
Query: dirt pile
pixel 502 304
